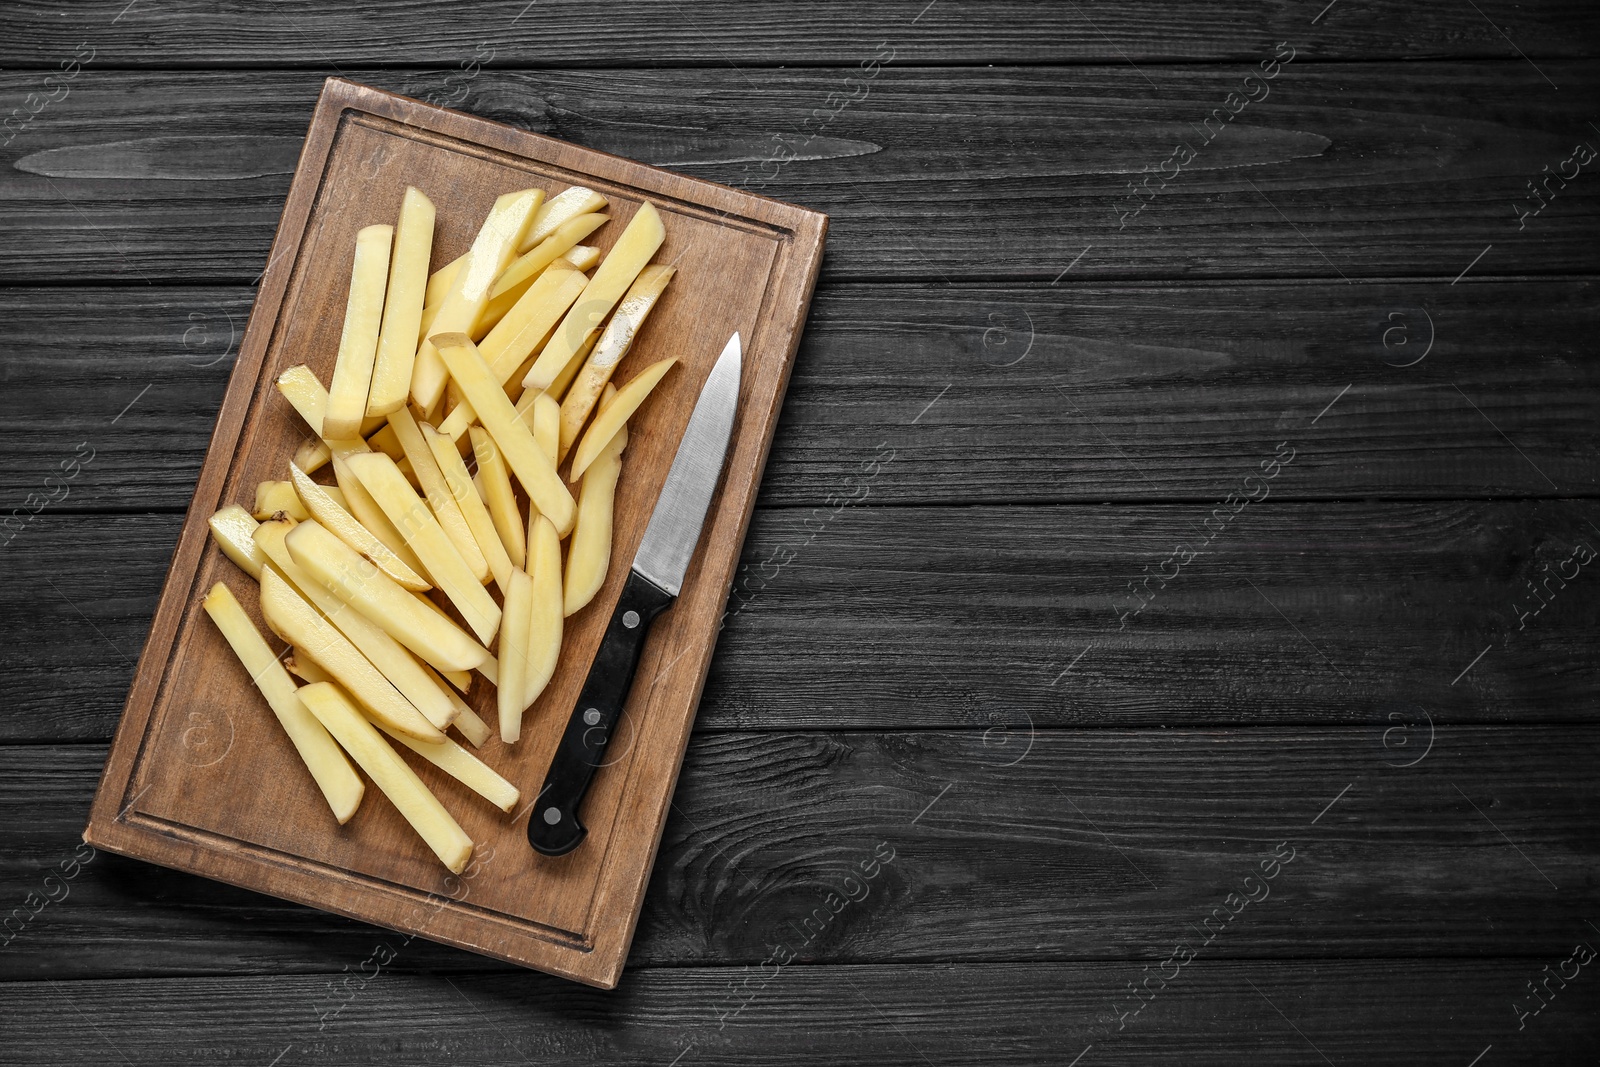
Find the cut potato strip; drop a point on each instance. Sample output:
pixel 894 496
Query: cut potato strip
pixel 608 422
pixel 292 617
pixel 464 767
pixel 494 478
pixel 546 252
pixel 458 483
pixel 303 666
pixel 390 773
pixel 543 646
pixel 366 511
pixel 386 442
pixel 340 784
pixel 519 333
pixel 389 656
pixel 589 555
pixel 561 208
pixel 514 656
pixel 547 426
pixel 467 722
pixel 303 389
pixel 615 274
pixel 312 455
pixel 402 305
pixel 437 491
pixel 439 283
pixel 273 497
pixel 453 576
pixel 358 344
pixel 579 400
pixel 458 311
pixel 319 501
pixel 530 464
pixel 490 669
pixel 234 530
pixel 353 579
pixel 583 257
pixel 460 679
pixel 558 388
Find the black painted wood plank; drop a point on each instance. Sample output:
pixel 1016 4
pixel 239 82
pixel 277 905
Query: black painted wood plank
pixel 889 618
pixel 1060 845
pixel 982 394
pixel 564 33
pixel 1421 1012
pixel 1340 171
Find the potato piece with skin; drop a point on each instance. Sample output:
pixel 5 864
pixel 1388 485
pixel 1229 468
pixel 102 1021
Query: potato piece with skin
pixel 495 311
pixel 514 656
pixel 321 505
pixel 402 305
pixel 583 257
pixel 459 485
pixel 530 464
pixel 233 529
pixel 358 344
pixel 630 255
pixel 305 668
pixel 608 422
pixel 516 336
pixel 543 648
pixel 564 206
pixel 386 442
pixel 273 497
pixel 589 555
pixel 389 656
pixel 389 773
pixel 491 251
pixel 464 767
pixel 579 400
pixel 304 627
pixel 312 455
pixel 340 785
pixel 453 576
pixel 301 387
pixel 558 388
pixel 527 266
pixel 366 511
pixel 353 579
pixel 495 480
pixel 446 511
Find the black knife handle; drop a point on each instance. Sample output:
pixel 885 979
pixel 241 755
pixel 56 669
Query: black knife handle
pixel 553 828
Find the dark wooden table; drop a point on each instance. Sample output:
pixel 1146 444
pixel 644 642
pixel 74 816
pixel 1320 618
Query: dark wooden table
pixel 1176 572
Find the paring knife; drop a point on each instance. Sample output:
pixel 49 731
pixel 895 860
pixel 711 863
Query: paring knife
pixel 653 584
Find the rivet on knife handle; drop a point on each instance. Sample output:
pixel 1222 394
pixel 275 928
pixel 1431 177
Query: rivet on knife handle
pixel 553 828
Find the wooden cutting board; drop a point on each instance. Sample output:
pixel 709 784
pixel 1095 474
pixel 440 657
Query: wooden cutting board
pixel 202 778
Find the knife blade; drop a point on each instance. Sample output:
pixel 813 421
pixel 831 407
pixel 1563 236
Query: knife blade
pixel 654 582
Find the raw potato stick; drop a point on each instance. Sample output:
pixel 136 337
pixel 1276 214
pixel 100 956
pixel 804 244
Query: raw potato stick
pixel 495 480
pixel 402 305
pixel 616 272
pixel 312 455
pixel 564 206
pixel 389 656
pixel 234 530
pixel 532 467
pixel 273 497
pixel 290 616
pixel 464 767
pixel 390 773
pixel 513 656
pixel 339 522
pixel 544 611
pixel 580 399
pixel 608 422
pixel 443 502
pixel 340 784
pixel 467 722
pixel 454 577
pixel 459 485
pixel 353 579
pixel 358 344
pixel 493 248
pixel 546 252
pixel 547 426
pixel 589 556
pixel 303 666
pixel 304 392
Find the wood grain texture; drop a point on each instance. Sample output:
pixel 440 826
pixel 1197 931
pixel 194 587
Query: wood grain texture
pixel 987 832
pixel 1426 1012
pixel 196 33
pixel 890 618
pixel 1080 393
pixel 1343 170
pixel 169 801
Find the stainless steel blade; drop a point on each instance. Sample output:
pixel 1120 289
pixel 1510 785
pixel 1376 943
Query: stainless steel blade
pixel 674 528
